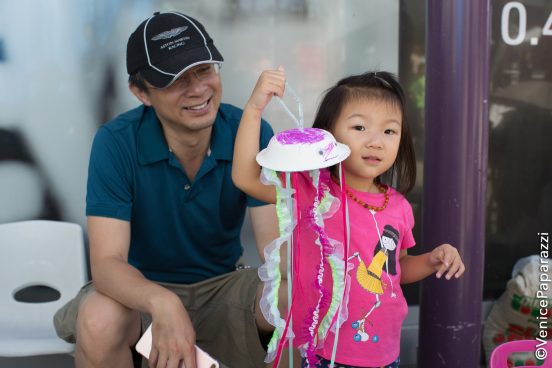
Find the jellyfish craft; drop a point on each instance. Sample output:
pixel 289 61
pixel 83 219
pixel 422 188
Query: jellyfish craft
pixel 295 162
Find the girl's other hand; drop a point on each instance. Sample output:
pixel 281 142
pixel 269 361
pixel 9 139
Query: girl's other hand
pixel 270 83
pixel 446 259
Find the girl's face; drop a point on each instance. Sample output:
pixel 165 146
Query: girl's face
pixel 388 243
pixel 372 130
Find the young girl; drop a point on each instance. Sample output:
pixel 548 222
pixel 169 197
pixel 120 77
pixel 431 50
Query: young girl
pixel 367 113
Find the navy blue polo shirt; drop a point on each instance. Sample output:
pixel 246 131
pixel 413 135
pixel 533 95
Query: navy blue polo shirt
pixel 181 231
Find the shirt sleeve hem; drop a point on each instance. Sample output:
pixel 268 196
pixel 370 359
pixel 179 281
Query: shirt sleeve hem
pixel 106 211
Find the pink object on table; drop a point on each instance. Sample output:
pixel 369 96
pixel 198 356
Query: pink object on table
pixel 203 360
pixel 499 356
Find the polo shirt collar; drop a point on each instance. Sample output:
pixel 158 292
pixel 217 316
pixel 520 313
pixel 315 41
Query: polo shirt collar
pixel 152 146
pixel 151 143
pixel 222 139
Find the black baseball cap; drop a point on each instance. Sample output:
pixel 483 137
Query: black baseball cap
pixel 165 45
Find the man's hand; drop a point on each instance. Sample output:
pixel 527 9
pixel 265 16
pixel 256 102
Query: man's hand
pixel 173 335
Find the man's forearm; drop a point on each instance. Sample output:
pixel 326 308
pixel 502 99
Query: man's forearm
pixel 126 285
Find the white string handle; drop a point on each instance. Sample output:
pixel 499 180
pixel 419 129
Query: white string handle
pixel 298 121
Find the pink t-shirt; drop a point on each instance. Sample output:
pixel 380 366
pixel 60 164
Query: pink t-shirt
pixel 370 337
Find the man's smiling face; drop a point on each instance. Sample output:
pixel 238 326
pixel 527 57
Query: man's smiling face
pixel 190 102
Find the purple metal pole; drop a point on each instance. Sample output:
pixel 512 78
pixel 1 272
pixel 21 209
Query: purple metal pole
pixel 455 170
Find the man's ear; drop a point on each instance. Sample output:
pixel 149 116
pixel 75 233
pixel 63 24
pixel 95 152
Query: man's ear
pixel 140 94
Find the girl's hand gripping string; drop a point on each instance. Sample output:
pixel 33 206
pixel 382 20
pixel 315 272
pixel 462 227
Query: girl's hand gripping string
pixel 446 259
pixel 245 170
pixel 270 83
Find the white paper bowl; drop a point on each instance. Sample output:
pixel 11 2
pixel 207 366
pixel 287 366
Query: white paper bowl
pixel 302 150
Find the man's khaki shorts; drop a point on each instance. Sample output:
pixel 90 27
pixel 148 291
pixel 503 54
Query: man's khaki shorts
pixel 222 310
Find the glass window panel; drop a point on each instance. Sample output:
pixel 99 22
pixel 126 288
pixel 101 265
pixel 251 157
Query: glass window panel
pixel 519 191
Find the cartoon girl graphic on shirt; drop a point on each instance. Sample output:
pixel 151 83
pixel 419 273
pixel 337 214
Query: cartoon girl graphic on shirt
pixel 370 277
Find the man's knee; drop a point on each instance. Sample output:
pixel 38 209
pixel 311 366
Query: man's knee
pixel 100 318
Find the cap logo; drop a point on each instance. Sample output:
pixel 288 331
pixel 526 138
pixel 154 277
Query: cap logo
pixel 169 34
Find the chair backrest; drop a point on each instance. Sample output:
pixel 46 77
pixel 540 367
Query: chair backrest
pixel 42 253
pixel 499 356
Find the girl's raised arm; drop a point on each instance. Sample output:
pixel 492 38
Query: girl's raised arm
pixel 245 170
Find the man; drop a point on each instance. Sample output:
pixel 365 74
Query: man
pixel 164 217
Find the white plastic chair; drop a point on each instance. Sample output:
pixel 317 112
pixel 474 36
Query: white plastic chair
pixel 37 253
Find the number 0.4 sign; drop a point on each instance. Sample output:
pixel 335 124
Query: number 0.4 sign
pixel 518 34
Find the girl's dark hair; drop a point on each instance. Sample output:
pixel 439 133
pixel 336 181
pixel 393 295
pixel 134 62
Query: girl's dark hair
pixel 385 87
pixel 137 80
